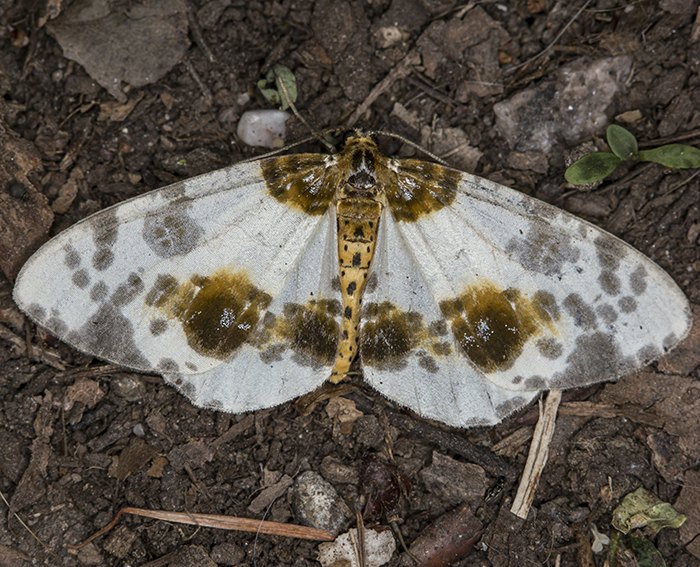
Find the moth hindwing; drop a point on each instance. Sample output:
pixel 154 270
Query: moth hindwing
pixel 251 285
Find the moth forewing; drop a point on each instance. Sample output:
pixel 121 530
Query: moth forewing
pixel 251 285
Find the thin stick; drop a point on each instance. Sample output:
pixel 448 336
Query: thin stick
pixel 215 521
pixel 404 67
pixel 290 104
pixel 47 549
pixel 46 355
pixel 551 43
pixel 537 457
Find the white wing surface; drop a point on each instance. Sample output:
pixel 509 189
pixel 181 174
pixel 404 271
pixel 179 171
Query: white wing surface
pixel 536 298
pixel 210 282
pixel 408 352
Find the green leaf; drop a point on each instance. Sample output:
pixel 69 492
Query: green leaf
pixel 645 552
pixel 284 91
pixel 591 168
pixel 286 84
pixel 622 142
pixel 679 156
pixel 641 509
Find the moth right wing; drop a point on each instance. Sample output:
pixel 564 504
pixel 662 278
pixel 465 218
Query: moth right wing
pixel 407 350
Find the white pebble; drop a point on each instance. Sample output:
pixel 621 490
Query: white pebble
pixel 264 128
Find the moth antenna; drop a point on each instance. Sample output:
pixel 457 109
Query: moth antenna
pixel 410 143
pixel 316 134
pixel 319 136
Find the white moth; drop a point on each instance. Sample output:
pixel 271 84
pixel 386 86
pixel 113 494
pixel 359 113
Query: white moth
pixel 251 285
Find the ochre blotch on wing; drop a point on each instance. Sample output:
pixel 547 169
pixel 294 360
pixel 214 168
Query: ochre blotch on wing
pixel 217 312
pixel 311 330
pixel 416 188
pixel 302 181
pixel 492 324
pixel 388 335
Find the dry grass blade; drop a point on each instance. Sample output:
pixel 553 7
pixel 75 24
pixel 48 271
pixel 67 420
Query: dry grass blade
pixel 537 457
pixel 216 521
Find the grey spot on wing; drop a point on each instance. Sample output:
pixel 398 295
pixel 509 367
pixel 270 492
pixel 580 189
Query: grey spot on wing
pixel 184 386
pixel 428 363
pixel 191 366
pixel 508 407
pixel 273 353
pixel 609 282
pixel 57 326
pixel 72 258
pixel 129 290
pixel 648 353
pixel 597 357
pixel 102 259
pixel 581 313
pixel 335 283
pixel 627 304
pixel 99 292
pixel 442 348
pixel 306 359
pixel 81 279
pixel 371 283
pixel 546 304
pixel 167 365
pixel 172 232
pixel 670 341
pixel 175 192
pixel 549 348
pixel 438 328
pixel 542 251
pixel 535 383
pixel 638 280
pixel 36 311
pixel 517 379
pixel 109 334
pixel 269 320
pixel 164 285
pixel 105 230
pixel 607 313
pixel 609 251
pixel 158 327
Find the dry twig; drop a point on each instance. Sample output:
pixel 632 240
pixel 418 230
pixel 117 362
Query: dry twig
pixel 537 458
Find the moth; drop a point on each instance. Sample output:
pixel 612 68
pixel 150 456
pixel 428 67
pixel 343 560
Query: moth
pixel 251 285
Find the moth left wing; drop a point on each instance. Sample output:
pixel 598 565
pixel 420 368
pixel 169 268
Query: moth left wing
pixel 407 350
pixel 215 282
pixel 532 296
pixel 292 350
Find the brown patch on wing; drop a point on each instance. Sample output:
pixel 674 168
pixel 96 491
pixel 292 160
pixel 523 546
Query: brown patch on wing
pixel 492 324
pixel 303 181
pixel 217 312
pixel 389 336
pixel 311 330
pixel 415 188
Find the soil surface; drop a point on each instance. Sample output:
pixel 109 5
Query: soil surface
pixel 102 101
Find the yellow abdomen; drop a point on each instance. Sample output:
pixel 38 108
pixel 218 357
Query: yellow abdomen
pixel 358 223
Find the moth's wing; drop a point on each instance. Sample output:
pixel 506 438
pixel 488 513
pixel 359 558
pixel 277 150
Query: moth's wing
pixel 533 296
pixel 293 349
pixel 407 351
pixel 192 281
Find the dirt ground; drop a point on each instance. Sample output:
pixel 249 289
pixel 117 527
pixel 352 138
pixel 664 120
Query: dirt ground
pixel 102 101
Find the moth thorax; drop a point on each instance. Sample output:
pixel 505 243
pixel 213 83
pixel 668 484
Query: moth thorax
pixel 363 176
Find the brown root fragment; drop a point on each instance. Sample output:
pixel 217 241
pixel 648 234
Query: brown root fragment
pixel 448 539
